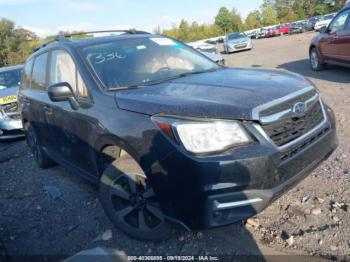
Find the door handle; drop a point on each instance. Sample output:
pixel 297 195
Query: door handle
pixel 48 110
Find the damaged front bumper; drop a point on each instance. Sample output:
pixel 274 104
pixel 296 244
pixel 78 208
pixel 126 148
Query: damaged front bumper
pixel 11 128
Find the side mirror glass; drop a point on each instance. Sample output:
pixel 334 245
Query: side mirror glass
pixel 63 92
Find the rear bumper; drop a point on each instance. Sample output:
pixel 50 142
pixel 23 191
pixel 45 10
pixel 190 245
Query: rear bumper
pixel 11 128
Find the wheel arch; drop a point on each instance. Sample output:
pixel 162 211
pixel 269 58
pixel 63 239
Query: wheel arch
pixel 110 147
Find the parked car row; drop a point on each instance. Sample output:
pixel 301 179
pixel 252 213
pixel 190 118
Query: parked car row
pixel 313 23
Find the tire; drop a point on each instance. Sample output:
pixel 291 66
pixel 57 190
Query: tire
pixel 315 60
pixel 40 156
pixel 131 204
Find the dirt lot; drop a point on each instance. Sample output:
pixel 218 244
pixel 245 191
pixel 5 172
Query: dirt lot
pixel 311 219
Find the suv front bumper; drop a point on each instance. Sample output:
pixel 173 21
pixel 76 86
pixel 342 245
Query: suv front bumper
pixel 211 191
pixel 11 128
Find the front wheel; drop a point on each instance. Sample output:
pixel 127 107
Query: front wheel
pixel 315 60
pixel 131 205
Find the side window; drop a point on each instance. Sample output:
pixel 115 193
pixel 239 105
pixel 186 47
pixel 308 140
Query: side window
pixel 39 72
pixel 25 83
pixel 63 69
pixel 338 23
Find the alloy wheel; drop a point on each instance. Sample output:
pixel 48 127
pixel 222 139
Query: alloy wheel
pixel 134 202
pixel 34 144
pixel 314 59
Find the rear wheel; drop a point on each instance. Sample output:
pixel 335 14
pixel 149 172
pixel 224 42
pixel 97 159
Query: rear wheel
pixel 40 156
pixel 130 203
pixel 315 60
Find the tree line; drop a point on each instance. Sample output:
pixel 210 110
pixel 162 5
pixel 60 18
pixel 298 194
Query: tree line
pixel 271 12
pixel 16 44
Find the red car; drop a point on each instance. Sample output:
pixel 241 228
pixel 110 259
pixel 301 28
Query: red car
pixel 278 30
pixel 332 45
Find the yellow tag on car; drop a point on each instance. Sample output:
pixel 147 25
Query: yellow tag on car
pixel 8 99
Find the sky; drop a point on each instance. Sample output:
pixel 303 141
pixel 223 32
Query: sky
pixel 46 17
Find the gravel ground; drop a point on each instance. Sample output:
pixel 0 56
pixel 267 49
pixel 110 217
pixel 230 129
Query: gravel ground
pixel 311 219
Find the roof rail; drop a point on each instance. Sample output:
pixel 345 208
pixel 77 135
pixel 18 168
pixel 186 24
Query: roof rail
pixel 65 37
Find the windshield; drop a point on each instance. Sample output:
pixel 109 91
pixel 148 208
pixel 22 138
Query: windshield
pixel 236 36
pixel 10 78
pixel 141 61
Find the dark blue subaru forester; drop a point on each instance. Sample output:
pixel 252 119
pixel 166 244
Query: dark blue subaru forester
pixel 170 136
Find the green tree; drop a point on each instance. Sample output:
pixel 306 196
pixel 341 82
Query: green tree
pixel 320 9
pixel 237 24
pixel 224 20
pixel 15 43
pixel 253 20
pixel 269 15
pixel 7 40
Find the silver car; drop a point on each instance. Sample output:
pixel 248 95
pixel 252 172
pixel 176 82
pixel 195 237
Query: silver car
pixel 237 42
pixel 10 119
pixel 209 50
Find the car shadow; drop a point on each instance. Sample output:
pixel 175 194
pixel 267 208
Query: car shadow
pixel 331 73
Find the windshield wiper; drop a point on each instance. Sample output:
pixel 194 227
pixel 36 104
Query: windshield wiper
pixel 159 81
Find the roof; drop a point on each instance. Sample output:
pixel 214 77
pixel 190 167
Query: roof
pixel 97 40
pixel 65 38
pixel 7 68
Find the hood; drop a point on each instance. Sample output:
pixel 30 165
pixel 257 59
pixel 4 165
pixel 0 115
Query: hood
pixel 12 91
pixel 230 93
pixel 238 40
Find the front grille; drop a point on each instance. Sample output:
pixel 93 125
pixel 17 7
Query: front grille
pixel 287 130
pixel 239 46
pixel 288 104
pixel 305 143
pixel 11 110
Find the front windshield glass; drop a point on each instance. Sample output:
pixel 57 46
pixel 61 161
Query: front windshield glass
pixel 141 61
pixel 236 36
pixel 10 78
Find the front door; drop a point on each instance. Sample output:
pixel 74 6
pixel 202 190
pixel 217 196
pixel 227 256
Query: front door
pixel 338 46
pixel 70 128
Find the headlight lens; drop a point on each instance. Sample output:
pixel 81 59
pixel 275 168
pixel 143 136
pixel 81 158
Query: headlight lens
pixel 202 137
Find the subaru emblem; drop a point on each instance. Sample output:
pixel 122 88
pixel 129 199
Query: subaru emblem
pixel 299 108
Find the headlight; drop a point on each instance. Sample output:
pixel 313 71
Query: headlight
pixel 207 137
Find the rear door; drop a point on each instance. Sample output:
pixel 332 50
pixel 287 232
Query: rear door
pixel 70 129
pixel 339 35
pixel 34 97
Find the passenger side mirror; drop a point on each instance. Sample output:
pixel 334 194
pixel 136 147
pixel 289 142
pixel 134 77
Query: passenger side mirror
pixel 324 30
pixel 63 92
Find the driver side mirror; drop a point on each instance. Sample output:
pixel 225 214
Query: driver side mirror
pixel 63 92
pixel 324 30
